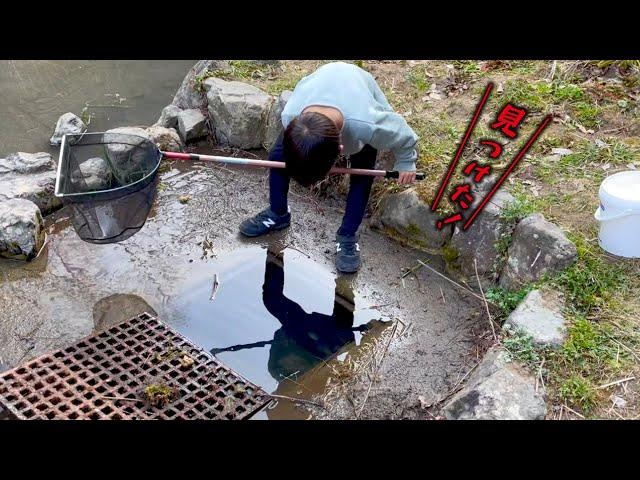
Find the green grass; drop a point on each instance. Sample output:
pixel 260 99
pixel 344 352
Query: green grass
pixel 520 346
pixel 507 301
pixel 587 114
pixel 592 282
pixel 623 64
pixel 578 392
pixel 418 78
pixel 520 208
pixel 589 346
pixel 588 357
pixel 586 161
pixel 540 96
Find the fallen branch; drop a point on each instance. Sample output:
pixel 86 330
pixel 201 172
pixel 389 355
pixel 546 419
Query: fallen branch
pixel 493 330
pixel 302 400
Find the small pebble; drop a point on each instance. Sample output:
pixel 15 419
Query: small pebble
pixel 184 198
pixel 618 402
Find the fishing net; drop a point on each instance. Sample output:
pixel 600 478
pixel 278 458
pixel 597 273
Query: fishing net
pixel 108 181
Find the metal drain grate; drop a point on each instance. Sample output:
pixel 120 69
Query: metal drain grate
pixel 104 377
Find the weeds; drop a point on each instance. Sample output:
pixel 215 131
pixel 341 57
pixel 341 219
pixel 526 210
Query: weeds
pixel 505 300
pixel 578 391
pixel 520 346
pixel 591 282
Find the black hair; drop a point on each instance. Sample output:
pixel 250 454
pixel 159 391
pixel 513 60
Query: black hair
pixel 311 145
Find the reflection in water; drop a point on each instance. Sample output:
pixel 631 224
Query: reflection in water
pixel 305 339
pixel 118 308
pixel 275 319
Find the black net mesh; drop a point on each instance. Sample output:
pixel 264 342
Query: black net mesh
pixel 108 180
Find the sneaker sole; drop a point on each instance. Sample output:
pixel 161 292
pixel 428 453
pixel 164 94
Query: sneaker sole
pixel 346 270
pixel 273 229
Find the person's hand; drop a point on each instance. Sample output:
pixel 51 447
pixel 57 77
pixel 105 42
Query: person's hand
pixel 406 178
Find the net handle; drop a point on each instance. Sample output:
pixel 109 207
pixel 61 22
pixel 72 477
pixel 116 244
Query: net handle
pixel 251 162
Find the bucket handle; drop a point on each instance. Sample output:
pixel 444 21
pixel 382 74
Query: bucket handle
pixel 601 217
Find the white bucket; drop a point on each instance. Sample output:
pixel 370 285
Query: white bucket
pixel 619 214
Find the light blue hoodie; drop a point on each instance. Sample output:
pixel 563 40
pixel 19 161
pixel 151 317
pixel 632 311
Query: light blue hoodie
pixel 368 117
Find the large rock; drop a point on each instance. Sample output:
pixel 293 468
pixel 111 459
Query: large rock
pixel 192 125
pixel 538 247
pixel 539 316
pixel 274 122
pixel 166 139
pixel 68 124
pixel 480 239
pixel 130 161
pixel 169 117
pixel 21 229
pixel 91 175
pixel 405 215
pixel 30 177
pixel 189 95
pixel 24 163
pixel 238 111
pixel 497 390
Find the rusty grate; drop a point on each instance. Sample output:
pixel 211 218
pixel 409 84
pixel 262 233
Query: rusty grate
pixel 104 377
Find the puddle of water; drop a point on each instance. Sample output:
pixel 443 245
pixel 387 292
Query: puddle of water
pixel 275 322
pixel 275 319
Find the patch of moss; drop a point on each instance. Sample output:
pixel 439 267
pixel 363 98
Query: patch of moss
pixel 449 253
pixel 159 395
pixel 413 230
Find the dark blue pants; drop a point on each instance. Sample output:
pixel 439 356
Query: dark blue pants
pixel 359 187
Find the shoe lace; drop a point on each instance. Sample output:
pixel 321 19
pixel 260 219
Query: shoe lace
pixel 349 247
pixel 262 216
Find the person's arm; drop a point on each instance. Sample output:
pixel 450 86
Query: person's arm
pixel 378 94
pixel 391 132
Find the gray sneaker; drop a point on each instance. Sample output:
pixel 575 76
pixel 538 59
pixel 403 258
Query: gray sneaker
pixel 347 253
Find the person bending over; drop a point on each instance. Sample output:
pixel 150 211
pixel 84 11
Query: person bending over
pixel 337 110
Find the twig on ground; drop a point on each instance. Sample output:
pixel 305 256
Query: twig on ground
pixel 455 388
pixel 451 281
pixel 540 374
pixel 302 400
pixel 615 383
pixel 626 348
pixel 214 287
pixel 553 71
pixel 574 412
pixel 44 244
pixel 297 250
pixel 374 307
pixel 536 259
pixel 493 330
pixel 411 270
pixel 377 368
pixel 442 293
